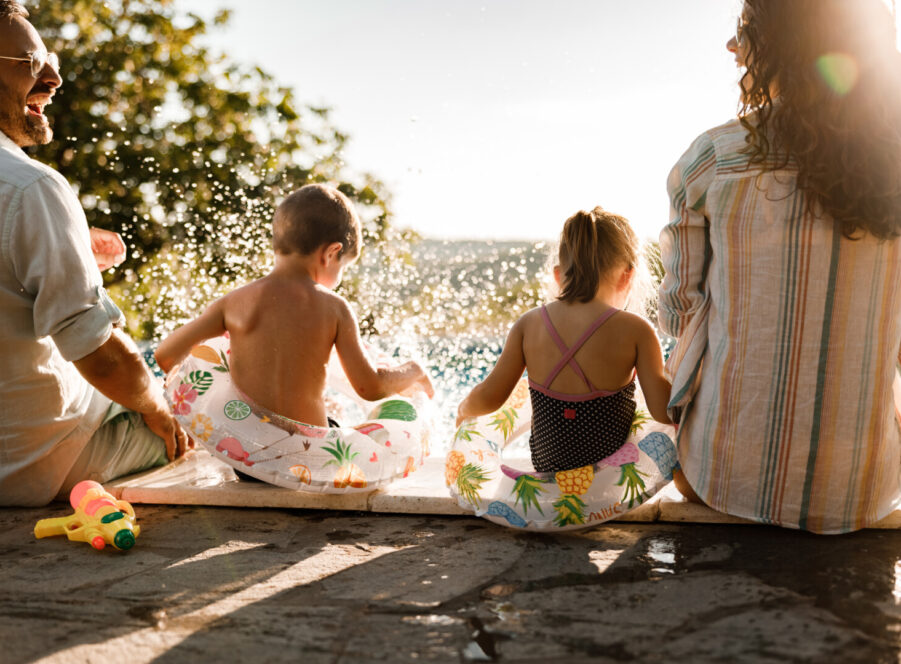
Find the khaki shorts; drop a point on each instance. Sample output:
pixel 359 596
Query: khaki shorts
pixel 121 446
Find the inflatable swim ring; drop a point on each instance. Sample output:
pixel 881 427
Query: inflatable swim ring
pixel 520 497
pixel 392 442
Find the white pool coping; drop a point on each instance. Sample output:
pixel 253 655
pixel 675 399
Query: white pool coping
pixel 199 479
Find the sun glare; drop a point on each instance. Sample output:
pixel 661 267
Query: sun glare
pixel 840 71
pixel 893 5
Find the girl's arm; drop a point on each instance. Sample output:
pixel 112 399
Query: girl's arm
pixel 649 365
pixel 371 383
pixel 491 393
pixel 174 348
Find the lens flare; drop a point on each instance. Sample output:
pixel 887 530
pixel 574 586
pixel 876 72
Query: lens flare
pixel 839 72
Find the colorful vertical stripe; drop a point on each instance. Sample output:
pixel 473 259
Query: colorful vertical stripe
pixel 795 335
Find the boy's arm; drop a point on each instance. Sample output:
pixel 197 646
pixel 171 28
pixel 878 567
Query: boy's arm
pixel 491 393
pixel 371 383
pixel 649 365
pixel 174 348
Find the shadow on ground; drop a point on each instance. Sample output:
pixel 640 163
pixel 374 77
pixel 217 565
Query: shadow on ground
pixel 279 586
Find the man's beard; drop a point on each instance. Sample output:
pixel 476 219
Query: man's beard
pixel 25 130
pixel 22 128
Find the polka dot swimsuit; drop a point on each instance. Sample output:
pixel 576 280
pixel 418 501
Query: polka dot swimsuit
pixel 571 431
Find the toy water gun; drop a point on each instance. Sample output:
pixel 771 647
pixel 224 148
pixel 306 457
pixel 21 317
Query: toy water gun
pixel 99 519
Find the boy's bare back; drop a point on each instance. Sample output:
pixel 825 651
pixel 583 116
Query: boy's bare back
pixel 281 330
pixel 282 327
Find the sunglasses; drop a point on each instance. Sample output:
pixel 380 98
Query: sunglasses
pixel 39 59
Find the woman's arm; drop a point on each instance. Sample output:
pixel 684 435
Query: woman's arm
pixel 649 365
pixel 684 245
pixel 174 348
pixel 371 383
pixel 491 393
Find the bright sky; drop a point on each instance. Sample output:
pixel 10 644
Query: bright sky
pixel 500 118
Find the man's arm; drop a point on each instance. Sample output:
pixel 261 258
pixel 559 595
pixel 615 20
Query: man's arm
pixel 118 371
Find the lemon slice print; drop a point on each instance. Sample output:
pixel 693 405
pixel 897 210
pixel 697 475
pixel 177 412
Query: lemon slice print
pixel 236 410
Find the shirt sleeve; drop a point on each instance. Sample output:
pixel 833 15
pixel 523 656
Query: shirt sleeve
pixel 684 241
pixel 50 250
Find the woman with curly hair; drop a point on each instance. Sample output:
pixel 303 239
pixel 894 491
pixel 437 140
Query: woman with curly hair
pixel 783 275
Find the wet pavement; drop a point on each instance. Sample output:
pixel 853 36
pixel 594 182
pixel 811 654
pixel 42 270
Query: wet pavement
pixel 228 585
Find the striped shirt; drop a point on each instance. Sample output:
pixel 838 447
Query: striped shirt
pixel 789 340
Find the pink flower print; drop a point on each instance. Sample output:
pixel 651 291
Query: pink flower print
pixel 183 394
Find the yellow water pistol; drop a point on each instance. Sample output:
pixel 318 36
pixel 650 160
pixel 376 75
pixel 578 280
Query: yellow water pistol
pixel 99 519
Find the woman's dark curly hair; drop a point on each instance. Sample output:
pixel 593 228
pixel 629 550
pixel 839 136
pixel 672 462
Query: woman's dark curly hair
pixel 835 70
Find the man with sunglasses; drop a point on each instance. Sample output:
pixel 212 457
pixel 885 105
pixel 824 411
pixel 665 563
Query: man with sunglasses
pixel 76 399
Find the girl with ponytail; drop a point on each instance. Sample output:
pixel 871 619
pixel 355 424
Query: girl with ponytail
pixel 584 348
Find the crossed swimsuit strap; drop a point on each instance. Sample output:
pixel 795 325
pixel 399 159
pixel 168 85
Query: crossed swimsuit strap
pixel 569 353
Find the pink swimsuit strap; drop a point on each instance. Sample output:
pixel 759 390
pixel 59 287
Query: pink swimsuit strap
pixel 569 353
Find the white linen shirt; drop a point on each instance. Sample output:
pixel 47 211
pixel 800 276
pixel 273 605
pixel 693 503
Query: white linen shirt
pixel 53 310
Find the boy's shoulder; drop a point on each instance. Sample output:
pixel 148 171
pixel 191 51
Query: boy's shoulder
pixel 329 297
pixel 309 296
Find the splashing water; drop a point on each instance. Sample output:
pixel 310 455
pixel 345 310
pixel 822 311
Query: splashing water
pixel 446 304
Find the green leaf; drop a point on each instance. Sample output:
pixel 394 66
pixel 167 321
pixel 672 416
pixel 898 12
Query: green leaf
pixel 470 480
pixel 570 511
pixel 504 421
pixel 630 477
pixel 464 433
pixel 200 381
pixel 639 420
pixel 527 489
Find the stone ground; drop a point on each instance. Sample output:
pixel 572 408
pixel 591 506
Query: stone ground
pixel 228 585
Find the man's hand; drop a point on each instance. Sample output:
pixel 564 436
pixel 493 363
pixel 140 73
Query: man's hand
pixel 118 371
pixel 164 425
pixel 107 247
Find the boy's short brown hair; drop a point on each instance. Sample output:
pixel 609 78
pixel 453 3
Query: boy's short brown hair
pixel 312 216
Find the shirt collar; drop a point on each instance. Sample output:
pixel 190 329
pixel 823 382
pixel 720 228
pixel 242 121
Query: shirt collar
pixel 7 142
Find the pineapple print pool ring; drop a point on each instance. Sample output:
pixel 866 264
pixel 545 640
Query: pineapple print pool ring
pixel 520 497
pixel 391 443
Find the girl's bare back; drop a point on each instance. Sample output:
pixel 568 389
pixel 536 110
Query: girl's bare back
pixel 608 357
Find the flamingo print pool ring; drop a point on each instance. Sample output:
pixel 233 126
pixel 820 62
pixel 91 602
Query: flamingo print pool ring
pixel 391 443
pixel 565 500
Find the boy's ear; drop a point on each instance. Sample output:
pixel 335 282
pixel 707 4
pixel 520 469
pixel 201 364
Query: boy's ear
pixel 331 252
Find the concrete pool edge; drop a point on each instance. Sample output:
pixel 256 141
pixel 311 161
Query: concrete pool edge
pixel 202 480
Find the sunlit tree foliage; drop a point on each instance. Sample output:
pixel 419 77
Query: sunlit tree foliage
pixel 175 146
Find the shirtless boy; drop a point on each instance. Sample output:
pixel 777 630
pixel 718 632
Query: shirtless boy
pixel 282 327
